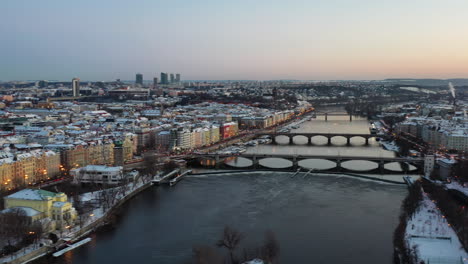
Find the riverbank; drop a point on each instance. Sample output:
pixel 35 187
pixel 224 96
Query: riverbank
pixel 98 217
pixel 309 216
pixel 426 233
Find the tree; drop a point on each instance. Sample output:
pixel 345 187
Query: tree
pixel 107 197
pixel 170 166
pixel 13 225
pixel 230 240
pixel 271 248
pixel 150 163
pixel 83 209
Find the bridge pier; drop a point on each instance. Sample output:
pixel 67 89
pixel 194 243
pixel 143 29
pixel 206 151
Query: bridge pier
pixel 348 141
pixel 254 162
pixel 338 165
pixel 295 163
pixel 405 167
pixel 273 140
pixel 217 162
pixel 382 167
pixel 329 141
pixel 309 140
pixel 291 140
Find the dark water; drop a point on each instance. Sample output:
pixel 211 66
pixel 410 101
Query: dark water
pixel 318 219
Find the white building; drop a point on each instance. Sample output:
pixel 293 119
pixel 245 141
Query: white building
pixel 98 174
pixel 184 139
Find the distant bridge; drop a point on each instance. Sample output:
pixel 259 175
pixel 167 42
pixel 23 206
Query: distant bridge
pixel 219 160
pixel 329 136
pixel 326 114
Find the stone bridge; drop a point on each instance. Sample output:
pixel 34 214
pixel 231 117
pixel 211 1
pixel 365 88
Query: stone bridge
pixel 219 160
pixel 329 136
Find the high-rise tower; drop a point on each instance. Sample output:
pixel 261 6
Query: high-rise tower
pixel 76 87
pixel 139 79
pixel 155 82
pixel 164 79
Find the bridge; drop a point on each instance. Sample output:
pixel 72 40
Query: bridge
pixel 326 114
pixel 219 160
pixel 329 136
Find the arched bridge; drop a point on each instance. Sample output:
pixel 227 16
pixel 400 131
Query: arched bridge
pixel 219 160
pixel 329 136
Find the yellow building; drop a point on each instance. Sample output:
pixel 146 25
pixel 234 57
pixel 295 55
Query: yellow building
pixel 52 164
pixel 24 168
pixel 45 204
pixel 127 146
pixel 6 174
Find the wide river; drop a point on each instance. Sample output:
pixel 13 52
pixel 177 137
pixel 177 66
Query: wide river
pixel 316 219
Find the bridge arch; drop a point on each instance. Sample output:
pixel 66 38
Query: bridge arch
pixel 317 164
pixel 359 165
pixel 319 140
pixel 275 163
pixel 300 139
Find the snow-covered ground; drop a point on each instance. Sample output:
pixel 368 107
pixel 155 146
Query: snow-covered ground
pixel 458 186
pixel 433 236
pixel 25 251
pixel 100 211
pixel 390 146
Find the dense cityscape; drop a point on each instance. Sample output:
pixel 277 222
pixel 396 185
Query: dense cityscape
pixel 72 152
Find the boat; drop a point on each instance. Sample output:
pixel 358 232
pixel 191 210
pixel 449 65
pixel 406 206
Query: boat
pixel 178 178
pixel 71 247
pixel 373 129
pixel 158 178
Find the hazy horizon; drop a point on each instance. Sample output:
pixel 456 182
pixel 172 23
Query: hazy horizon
pixel 241 40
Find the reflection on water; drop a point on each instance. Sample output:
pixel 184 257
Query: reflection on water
pixel 316 219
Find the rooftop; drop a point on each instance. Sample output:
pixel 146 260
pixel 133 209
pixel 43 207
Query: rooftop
pixel 32 194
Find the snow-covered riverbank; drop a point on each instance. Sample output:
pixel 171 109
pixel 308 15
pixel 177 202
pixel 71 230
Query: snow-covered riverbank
pixel 432 237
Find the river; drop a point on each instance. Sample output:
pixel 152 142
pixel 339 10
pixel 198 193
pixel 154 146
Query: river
pixel 316 219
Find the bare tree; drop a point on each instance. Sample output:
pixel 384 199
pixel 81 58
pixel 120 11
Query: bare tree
pixel 271 248
pixel 230 240
pixel 107 197
pixel 150 162
pixel 13 225
pixel 170 166
pixel 82 208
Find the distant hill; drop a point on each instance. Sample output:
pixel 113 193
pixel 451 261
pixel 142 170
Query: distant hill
pixel 429 82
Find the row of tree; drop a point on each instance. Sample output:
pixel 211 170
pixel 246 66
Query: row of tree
pixel 453 209
pixel 403 254
pixel 18 231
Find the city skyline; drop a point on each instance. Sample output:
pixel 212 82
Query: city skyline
pixel 212 40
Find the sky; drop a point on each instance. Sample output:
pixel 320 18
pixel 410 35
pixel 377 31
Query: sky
pixel 233 40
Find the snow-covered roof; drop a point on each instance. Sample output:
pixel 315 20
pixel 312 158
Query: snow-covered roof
pixel 31 194
pixel 58 204
pixel 27 210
